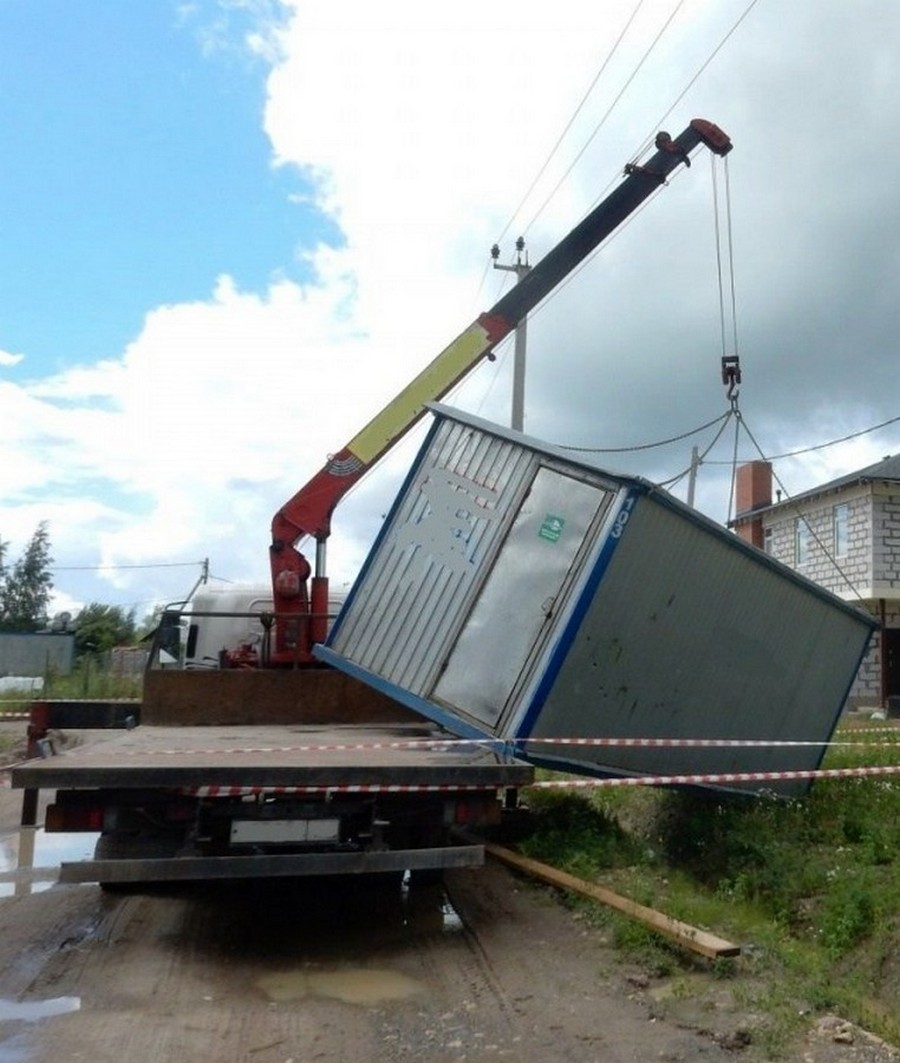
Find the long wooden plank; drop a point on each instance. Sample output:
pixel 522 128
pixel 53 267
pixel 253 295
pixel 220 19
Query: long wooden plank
pixel 689 937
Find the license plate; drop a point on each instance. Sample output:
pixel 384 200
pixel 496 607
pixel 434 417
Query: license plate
pixel 282 831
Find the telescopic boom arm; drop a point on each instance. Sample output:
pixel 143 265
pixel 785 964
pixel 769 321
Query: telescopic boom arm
pixel 301 614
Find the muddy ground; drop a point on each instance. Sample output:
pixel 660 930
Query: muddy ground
pixel 488 966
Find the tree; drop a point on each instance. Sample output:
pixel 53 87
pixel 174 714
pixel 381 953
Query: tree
pixel 25 589
pixel 99 628
pixel 150 623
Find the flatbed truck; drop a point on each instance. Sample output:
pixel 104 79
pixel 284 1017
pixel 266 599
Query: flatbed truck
pixel 322 776
pixel 271 764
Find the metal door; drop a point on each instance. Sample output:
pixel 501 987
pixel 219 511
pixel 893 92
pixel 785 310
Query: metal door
pixel 521 597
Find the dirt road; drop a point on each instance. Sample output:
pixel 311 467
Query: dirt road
pixel 269 972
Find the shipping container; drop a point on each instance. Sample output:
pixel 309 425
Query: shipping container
pixel 519 594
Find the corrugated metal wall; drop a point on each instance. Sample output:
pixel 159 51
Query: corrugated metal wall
pixel 414 593
pixel 36 654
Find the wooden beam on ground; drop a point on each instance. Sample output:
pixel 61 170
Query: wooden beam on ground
pixel 689 937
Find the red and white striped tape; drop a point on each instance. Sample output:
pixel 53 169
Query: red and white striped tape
pixel 557 784
pixel 720 777
pixel 502 744
pixel 348 788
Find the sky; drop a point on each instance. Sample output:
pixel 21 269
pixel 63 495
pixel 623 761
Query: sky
pixel 233 229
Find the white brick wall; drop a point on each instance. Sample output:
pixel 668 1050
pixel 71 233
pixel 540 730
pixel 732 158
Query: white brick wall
pixel 837 574
pixel 872 561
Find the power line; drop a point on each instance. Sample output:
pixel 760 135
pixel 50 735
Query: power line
pixel 661 123
pixel 800 515
pixel 116 568
pixel 607 113
pixel 543 169
pixel 820 446
pixel 646 446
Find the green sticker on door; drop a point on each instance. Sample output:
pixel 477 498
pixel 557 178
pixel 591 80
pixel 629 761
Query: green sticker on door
pixel 551 529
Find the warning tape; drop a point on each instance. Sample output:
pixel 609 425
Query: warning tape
pixel 553 784
pixel 348 788
pixel 507 745
pixel 719 777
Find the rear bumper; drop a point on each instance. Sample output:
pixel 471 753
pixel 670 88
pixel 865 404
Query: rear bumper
pixel 198 868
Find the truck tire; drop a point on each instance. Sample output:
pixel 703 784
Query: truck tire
pixel 133 847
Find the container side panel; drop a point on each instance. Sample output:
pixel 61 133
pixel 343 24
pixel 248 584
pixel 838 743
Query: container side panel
pixel 688 637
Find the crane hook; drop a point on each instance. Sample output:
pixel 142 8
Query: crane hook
pixel 731 376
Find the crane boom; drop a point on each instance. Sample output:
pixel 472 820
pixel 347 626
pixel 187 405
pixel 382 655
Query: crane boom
pixel 301 614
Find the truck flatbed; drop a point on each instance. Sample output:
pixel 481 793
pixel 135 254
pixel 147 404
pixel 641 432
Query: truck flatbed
pixel 244 774
pixel 396 755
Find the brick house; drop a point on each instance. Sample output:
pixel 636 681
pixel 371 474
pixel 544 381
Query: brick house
pixel 844 535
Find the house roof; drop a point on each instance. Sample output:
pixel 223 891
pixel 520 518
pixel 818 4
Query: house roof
pixel 887 469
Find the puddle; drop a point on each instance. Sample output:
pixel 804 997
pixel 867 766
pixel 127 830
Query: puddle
pixel 30 859
pixel 35 1010
pixel 364 986
pixel 16 1050
pixel 428 909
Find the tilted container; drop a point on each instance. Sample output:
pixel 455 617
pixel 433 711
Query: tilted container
pixel 520 594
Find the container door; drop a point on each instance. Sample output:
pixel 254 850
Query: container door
pixel 522 596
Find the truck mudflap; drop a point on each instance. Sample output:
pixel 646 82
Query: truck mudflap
pixel 268 865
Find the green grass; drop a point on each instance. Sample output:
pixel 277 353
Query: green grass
pixel 87 680
pixel 810 885
pixel 93 683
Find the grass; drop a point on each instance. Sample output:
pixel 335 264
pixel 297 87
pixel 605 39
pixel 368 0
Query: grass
pixel 87 680
pixel 810 886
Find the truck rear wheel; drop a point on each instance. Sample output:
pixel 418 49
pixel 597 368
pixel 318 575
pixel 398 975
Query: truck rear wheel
pixel 133 847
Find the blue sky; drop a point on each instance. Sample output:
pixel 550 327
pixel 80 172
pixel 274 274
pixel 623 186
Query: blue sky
pixel 137 170
pixel 233 229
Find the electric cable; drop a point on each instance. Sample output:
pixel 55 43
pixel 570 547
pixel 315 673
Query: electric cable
pixel 607 113
pixel 543 168
pixel 801 516
pixel 116 568
pixel 823 446
pixel 662 121
pixel 702 457
pixel 645 446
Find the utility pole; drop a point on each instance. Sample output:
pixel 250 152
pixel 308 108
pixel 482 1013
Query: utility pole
pixel 520 267
pixel 692 481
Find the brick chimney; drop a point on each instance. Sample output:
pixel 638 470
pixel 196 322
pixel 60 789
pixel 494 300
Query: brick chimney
pixel 753 491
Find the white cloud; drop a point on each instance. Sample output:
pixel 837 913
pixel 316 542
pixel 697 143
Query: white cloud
pixel 8 359
pixel 423 126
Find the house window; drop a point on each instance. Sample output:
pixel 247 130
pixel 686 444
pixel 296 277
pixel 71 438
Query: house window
pixel 767 540
pixel 841 523
pixel 802 540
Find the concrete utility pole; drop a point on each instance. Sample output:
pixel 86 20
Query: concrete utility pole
pixel 692 480
pixel 520 267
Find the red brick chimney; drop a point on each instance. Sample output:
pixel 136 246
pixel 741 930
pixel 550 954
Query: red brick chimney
pixel 753 491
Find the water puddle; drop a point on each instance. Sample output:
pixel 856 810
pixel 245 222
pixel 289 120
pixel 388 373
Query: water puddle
pixel 363 986
pixel 428 909
pixel 30 859
pixel 35 1010
pixel 18 1048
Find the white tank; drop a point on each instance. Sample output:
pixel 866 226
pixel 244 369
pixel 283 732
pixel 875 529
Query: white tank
pixel 207 636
